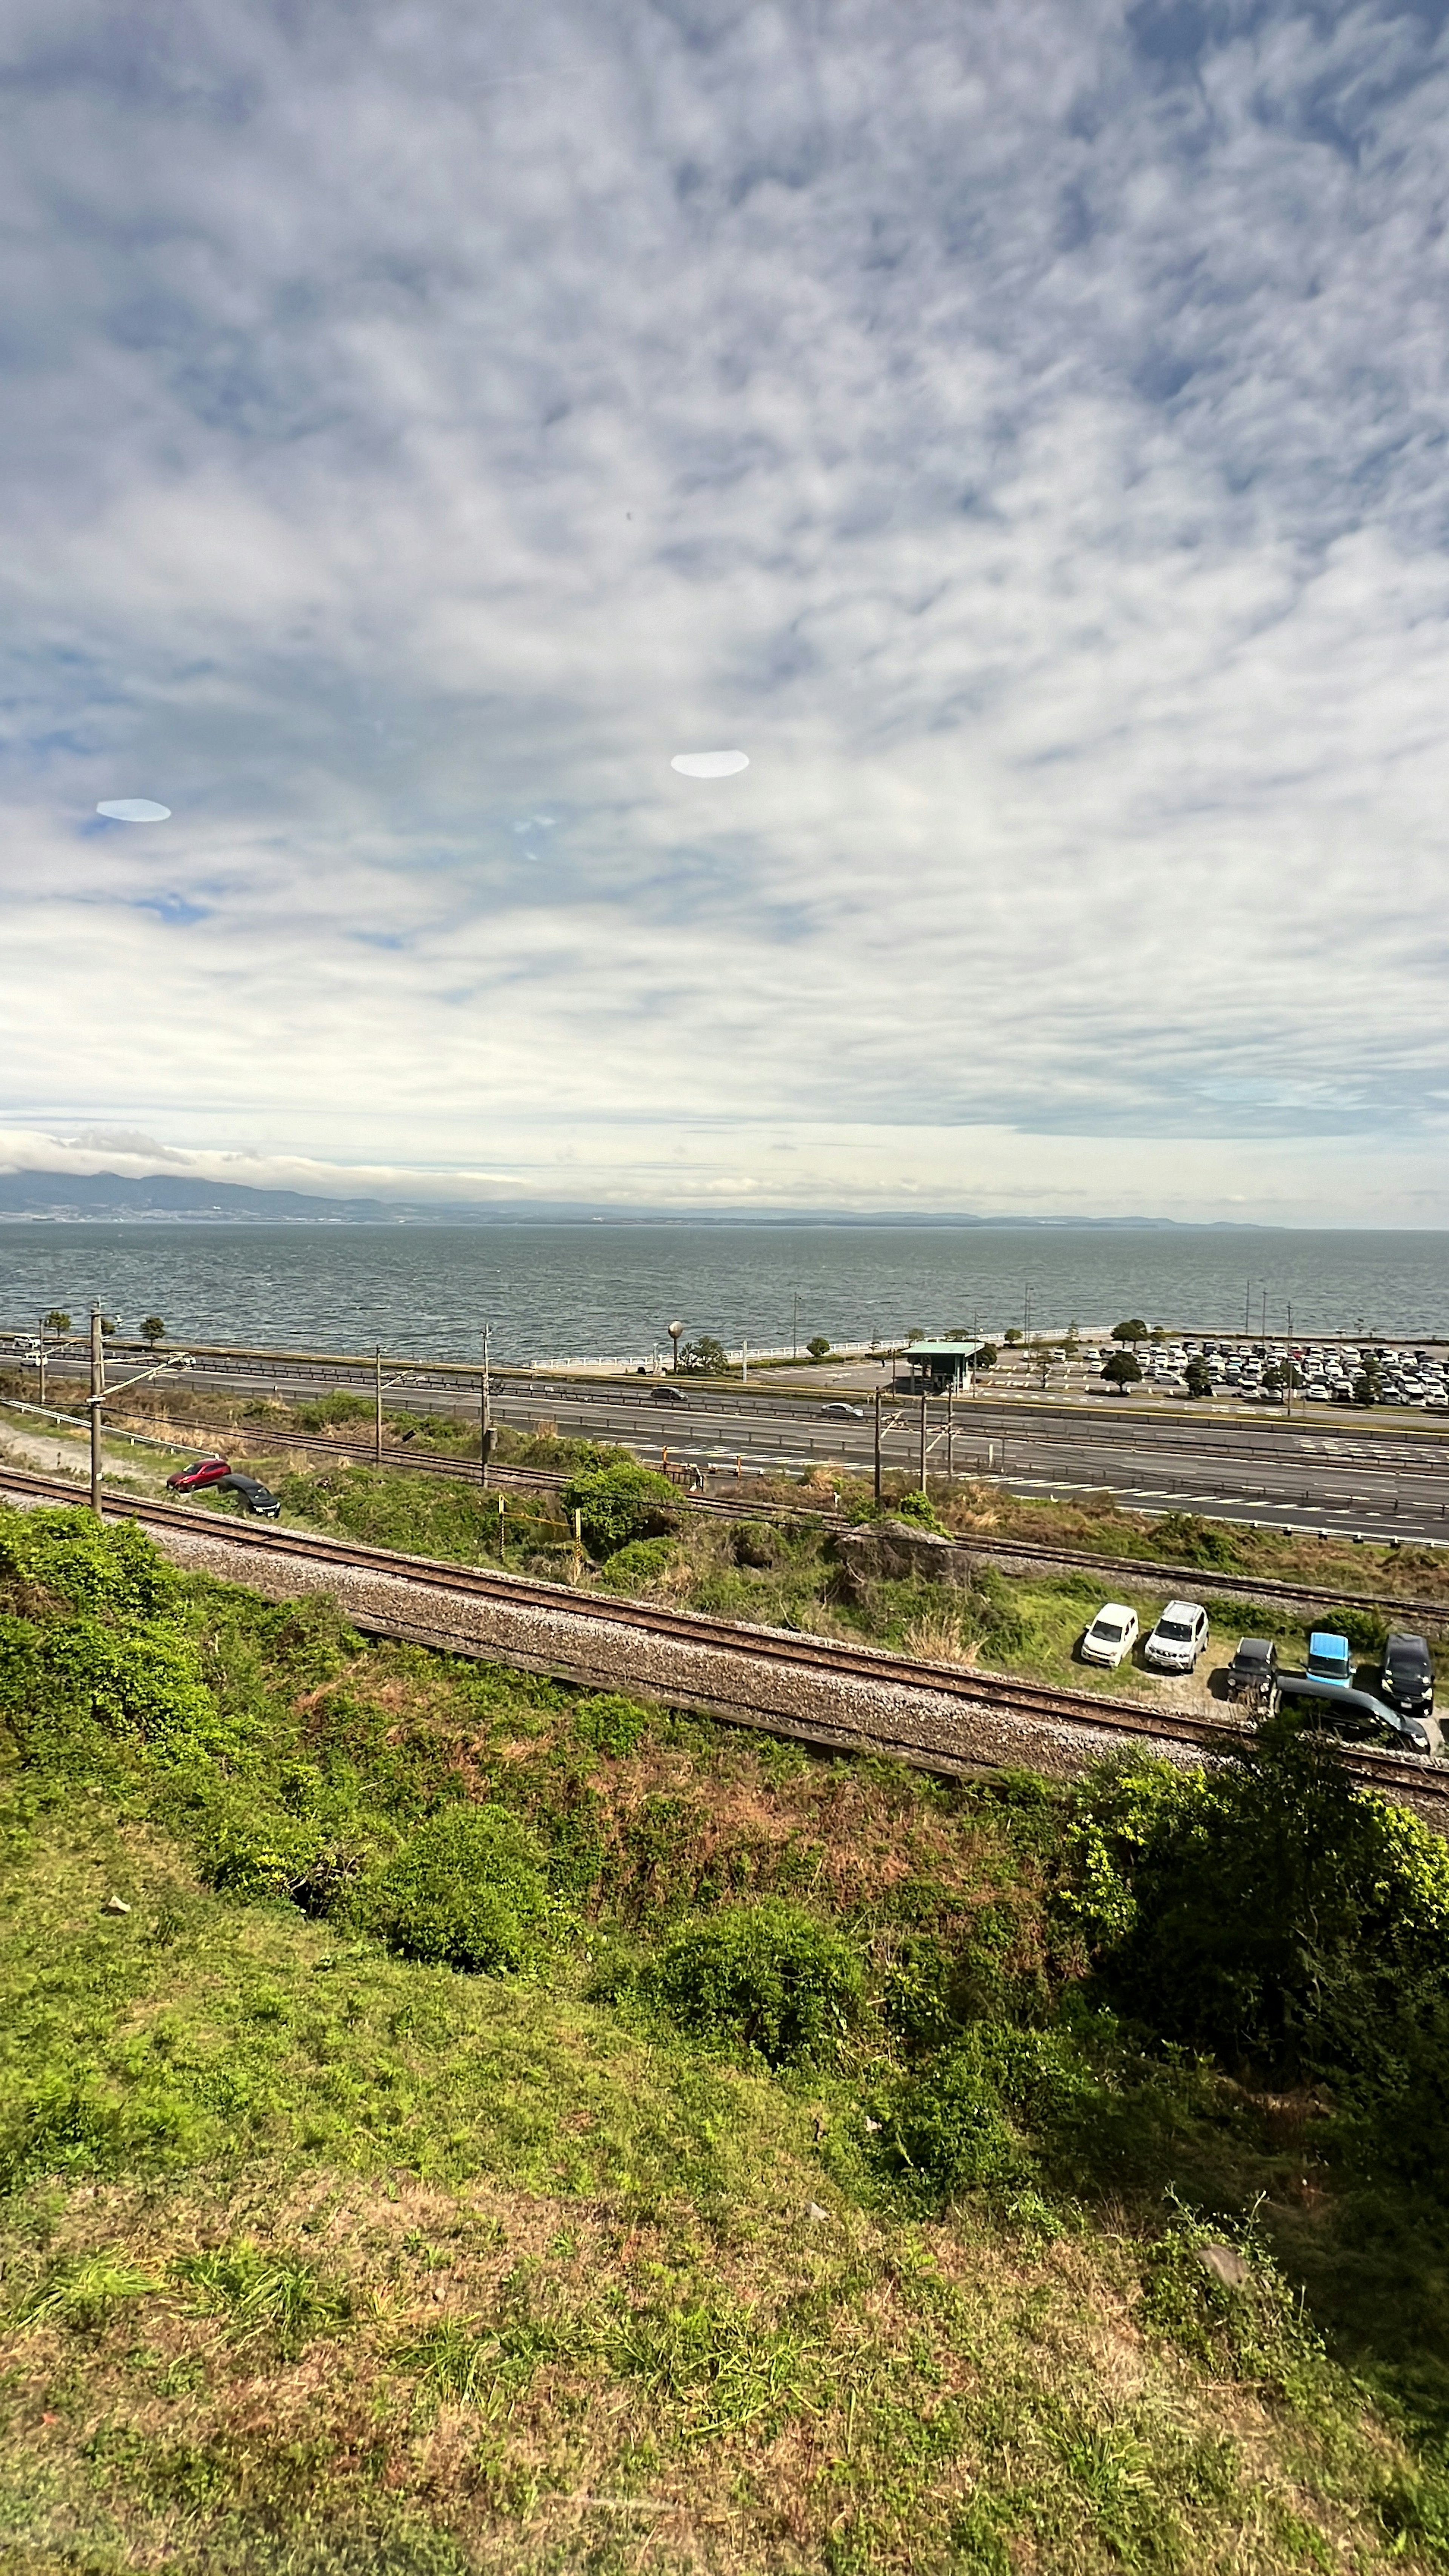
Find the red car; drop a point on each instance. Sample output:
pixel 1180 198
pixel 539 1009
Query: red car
pixel 207 1471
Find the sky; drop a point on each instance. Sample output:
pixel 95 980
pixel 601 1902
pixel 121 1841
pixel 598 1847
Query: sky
pixel 1019 428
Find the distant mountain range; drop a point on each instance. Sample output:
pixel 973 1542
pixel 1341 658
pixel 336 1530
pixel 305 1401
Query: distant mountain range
pixel 164 1197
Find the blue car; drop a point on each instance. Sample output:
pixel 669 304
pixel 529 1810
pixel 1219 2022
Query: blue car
pixel 1329 1658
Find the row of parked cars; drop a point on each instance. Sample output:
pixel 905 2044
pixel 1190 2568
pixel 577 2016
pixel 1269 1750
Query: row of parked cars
pixel 1399 1714
pixel 219 1476
pixel 1326 1373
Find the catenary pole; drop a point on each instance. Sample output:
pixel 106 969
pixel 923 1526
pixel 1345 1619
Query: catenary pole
pixel 377 1406
pixel 877 1444
pixel 485 1414
pixel 98 1388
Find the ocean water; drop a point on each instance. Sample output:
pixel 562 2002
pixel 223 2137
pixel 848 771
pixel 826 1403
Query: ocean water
pixel 611 1290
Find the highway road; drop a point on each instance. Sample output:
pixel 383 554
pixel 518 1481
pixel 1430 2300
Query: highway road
pixel 1330 1468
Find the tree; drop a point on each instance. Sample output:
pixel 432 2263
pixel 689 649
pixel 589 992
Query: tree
pixel 109 1327
pixel 985 1357
pixel 1122 1370
pixel 1042 1356
pixel 704 1358
pixel 1133 1331
pixel 1368 1384
pixel 1281 1374
pixel 1199 1378
pixel 1013 1336
pixel 57 1321
pixel 818 1347
pixel 153 1330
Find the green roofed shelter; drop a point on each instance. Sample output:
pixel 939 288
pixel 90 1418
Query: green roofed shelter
pixel 939 1366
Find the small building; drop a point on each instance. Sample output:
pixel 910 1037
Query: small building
pixel 939 1368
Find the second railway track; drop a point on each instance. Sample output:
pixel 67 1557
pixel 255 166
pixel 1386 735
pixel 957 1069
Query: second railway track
pixel 1020 1555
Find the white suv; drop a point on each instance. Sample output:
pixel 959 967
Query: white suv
pixel 1112 1634
pixel 1179 1637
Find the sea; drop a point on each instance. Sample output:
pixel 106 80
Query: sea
pixel 610 1291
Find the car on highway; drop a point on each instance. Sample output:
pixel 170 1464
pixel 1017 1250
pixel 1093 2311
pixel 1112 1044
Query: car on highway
pixel 1330 1658
pixel 1406 1676
pixel 1111 1636
pixel 1179 1637
pixel 202 1471
pixel 1254 1667
pixel 842 1412
pixel 1356 1717
pixel 667 1395
pixel 251 1494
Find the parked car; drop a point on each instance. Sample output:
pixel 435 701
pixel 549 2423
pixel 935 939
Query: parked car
pixel 1254 1667
pixel 667 1395
pixel 849 1412
pixel 203 1471
pixel 252 1495
pixel 1179 1637
pixel 1330 1658
pixel 1358 1717
pixel 1406 1676
pixel 1111 1636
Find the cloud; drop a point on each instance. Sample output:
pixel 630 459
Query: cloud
pixel 1021 432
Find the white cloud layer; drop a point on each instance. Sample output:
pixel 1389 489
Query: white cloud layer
pixel 1020 429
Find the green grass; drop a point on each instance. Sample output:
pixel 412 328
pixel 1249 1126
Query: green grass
pixel 315 2256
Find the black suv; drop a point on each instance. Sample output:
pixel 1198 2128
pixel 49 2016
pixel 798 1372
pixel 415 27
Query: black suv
pixel 251 1493
pixel 1407 1676
pixel 1254 1667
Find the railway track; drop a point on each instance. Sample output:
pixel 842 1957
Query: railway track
pixel 953 1697
pixel 1025 1555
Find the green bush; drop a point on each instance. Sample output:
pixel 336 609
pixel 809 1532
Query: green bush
pixel 635 1567
pixel 330 1412
pixel 948 2127
pixel 1268 1910
pixel 110 1569
pixel 69 1682
pixel 468 1891
pixel 915 1507
pixel 620 1503
pixel 608 1723
pixel 1190 1540
pixel 767 1977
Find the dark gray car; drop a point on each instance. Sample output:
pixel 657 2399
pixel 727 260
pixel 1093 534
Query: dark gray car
pixel 1357 1717
pixel 251 1493
pixel 1254 1667
pixel 1406 1679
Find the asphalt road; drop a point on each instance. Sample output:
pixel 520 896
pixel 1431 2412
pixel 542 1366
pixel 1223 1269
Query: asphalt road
pixel 1328 1468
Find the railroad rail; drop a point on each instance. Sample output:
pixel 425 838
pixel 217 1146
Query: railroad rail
pixel 1022 1555
pixel 945 1718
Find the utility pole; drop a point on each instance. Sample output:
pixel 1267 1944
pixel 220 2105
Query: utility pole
pixel 950 1434
pixel 923 1444
pixel 1288 1381
pixel 744 1363
pixel 795 1328
pixel 485 1421
pixel 40 1366
pixel 377 1410
pixel 98 1389
pixel 877 1445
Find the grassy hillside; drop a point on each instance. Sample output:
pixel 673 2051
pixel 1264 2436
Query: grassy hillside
pixel 811 2168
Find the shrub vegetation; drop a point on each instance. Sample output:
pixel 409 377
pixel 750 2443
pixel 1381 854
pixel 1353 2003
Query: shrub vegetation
pixel 436 2102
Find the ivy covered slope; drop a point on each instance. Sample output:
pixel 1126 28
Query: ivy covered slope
pixel 448 2122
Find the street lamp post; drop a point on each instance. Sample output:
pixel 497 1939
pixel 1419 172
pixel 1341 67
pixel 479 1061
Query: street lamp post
pixel 674 1331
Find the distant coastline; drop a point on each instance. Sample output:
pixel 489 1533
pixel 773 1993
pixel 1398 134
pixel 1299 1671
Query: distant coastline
pixel 68 1198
